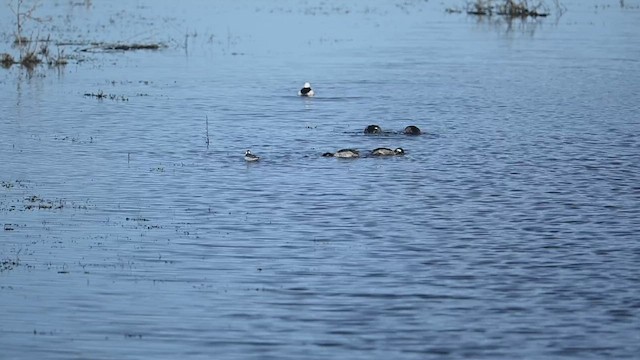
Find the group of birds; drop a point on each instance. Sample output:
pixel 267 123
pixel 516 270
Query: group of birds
pixel 375 129
pixel 307 91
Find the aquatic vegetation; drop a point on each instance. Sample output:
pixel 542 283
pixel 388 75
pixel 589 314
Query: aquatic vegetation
pixel 9 227
pixel 29 60
pixel 35 202
pixel 127 47
pixel 30 54
pixel 12 184
pixel 28 57
pixel 24 201
pixel 510 15
pixel 6 60
pixel 509 8
pixel 100 95
pixel 9 264
pixel 107 47
pixel 22 15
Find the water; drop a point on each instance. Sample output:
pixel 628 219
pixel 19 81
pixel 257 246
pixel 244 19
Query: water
pixel 508 230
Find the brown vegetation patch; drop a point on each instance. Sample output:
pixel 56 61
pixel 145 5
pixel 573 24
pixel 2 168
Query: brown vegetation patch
pixel 6 60
pixel 100 95
pixel 30 60
pixel 509 8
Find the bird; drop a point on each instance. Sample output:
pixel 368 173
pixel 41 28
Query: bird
pixel 412 130
pixel 343 153
pixel 248 156
pixel 387 152
pixel 373 129
pixel 306 90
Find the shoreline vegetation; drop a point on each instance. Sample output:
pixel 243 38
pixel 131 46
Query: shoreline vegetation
pixel 34 50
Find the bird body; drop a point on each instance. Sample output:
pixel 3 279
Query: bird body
pixel 387 152
pixel 373 129
pixel 343 153
pixel 306 90
pixel 412 130
pixel 248 156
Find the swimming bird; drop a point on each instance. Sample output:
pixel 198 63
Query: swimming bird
pixel 412 130
pixel 343 153
pixel 373 129
pixel 306 90
pixel 248 156
pixel 387 152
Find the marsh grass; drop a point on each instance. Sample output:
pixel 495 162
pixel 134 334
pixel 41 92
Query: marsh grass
pixel 509 8
pixel 6 60
pixel 32 51
pixel 30 60
pixel 100 95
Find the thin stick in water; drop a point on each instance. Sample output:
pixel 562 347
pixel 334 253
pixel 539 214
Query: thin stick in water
pixel 207 129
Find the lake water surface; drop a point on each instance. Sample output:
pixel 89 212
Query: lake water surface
pixel 510 229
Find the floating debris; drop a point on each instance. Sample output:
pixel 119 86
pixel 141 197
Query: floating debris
pixel 73 139
pixel 99 47
pixel 133 47
pixel 9 264
pixel 102 95
pixel 11 184
pixel 34 202
pixel 136 219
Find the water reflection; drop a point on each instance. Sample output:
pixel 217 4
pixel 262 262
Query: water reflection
pixel 508 24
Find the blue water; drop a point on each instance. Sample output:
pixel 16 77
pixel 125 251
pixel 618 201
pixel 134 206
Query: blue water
pixel 508 230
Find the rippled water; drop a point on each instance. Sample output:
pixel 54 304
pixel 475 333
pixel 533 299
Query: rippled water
pixel 508 230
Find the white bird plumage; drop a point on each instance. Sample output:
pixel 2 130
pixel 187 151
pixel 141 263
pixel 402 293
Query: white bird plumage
pixel 306 90
pixel 248 156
